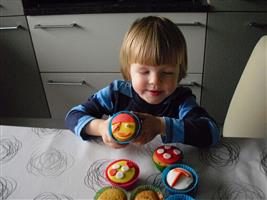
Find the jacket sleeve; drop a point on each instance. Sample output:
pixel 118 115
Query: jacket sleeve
pixel 193 126
pixel 95 107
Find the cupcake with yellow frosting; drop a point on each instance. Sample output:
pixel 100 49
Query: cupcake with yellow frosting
pixel 123 173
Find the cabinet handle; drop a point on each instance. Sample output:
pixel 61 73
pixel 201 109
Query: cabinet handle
pixel 257 25
pixel 191 84
pixel 10 27
pixel 190 24
pixel 41 26
pixel 81 83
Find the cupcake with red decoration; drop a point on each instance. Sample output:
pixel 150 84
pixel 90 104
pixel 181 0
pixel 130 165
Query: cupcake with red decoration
pixel 166 155
pixel 124 127
pixel 180 179
pixel 123 173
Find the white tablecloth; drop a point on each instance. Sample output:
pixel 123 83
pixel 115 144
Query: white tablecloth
pixel 39 163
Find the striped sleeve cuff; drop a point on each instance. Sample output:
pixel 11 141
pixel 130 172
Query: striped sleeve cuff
pixel 214 130
pixel 81 124
pixel 174 130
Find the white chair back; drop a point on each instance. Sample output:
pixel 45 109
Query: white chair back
pixel 247 113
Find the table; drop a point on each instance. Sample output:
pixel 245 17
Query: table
pixel 40 163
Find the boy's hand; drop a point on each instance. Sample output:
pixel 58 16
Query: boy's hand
pixel 107 139
pixel 99 127
pixel 151 127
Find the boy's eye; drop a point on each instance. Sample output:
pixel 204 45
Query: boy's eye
pixel 144 72
pixel 168 73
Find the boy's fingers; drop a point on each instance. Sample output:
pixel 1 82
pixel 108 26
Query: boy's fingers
pixel 138 140
pixel 139 114
pixel 117 146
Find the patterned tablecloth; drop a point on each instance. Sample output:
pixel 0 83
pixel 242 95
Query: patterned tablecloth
pixel 39 163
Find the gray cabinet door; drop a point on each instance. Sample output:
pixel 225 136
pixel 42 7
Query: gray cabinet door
pixel 238 5
pixel 22 93
pixel 11 7
pixel 230 41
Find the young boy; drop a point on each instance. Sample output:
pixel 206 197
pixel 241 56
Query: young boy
pixel 153 61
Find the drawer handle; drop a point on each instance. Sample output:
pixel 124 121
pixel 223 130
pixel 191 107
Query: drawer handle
pixel 51 82
pixel 41 26
pixel 257 25
pixel 191 84
pixel 190 24
pixel 10 27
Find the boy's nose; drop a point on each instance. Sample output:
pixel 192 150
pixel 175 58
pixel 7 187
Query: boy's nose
pixel 154 79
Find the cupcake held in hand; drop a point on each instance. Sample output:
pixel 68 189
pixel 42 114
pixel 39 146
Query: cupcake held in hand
pixel 124 127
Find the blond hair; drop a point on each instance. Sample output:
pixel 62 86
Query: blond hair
pixel 153 41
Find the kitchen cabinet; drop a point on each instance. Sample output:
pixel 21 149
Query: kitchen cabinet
pixel 65 90
pixel 85 47
pixel 72 42
pixel 22 93
pixel 194 82
pixel 231 37
pixel 11 7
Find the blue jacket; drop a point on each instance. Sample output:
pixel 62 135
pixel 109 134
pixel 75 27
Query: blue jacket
pixel 185 121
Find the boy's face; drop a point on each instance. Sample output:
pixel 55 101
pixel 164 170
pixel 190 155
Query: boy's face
pixel 153 83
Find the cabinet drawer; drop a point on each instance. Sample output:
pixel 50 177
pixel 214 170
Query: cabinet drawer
pixel 91 42
pixel 11 7
pixel 193 81
pixel 65 90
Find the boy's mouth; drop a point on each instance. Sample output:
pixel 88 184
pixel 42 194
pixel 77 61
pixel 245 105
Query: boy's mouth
pixel 155 92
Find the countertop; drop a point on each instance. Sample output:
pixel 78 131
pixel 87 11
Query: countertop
pixel 31 8
pixel 40 163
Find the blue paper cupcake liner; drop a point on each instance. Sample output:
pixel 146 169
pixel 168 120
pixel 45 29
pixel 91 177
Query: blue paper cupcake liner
pixel 191 190
pixel 179 197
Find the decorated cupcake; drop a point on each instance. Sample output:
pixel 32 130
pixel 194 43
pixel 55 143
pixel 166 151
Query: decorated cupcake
pixel 124 127
pixel 180 179
pixel 111 193
pixel 123 173
pixel 166 155
pixel 146 192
